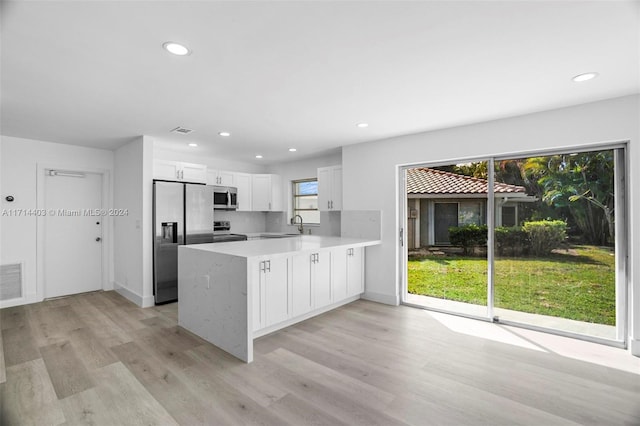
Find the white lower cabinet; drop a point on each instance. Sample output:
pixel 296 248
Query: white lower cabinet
pixel 347 277
pixel 271 295
pixel 355 271
pixel 311 282
pixel 321 280
pixel 339 273
pixel 301 283
pixel 289 287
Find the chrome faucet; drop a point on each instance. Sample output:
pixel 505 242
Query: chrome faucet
pixel 301 226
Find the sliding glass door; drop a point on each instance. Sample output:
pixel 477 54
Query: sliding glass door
pixel 556 268
pixel 534 240
pixel 447 210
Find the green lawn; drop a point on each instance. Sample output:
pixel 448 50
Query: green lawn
pixel 579 284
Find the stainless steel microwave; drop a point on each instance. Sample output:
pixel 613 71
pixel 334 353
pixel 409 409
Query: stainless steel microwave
pixel 225 198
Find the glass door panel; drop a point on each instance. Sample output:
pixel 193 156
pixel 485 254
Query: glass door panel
pixel 447 252
pixel 555 242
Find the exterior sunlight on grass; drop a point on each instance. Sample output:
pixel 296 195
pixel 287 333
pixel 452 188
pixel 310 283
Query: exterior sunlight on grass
pixel 576 284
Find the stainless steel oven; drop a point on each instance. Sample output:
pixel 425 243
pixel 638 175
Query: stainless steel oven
pixel 225 198
pixel 222 232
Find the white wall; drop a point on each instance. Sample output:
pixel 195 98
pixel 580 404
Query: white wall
pixel 19 161
pixel 370 175
pixel 133 232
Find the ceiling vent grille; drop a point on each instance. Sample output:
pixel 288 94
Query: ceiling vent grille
pixel 182 130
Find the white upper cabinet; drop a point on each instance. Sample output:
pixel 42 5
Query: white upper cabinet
pixel 266 193
pixel 330 188
pixel 179 171
pixel 242 181
pixel 194 172
pixel 220 177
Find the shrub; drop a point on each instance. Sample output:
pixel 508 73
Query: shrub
pixel 511 241
pixel 468 236
pixel 545 235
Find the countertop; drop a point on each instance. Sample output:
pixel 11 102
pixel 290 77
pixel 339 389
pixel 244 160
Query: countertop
pixel 280 246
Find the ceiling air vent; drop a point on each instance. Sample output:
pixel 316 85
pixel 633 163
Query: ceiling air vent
pixel 182 130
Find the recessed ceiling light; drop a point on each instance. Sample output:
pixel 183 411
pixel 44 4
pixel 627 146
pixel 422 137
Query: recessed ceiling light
pixel 193 144
pixel 363 125
pixel 292 150
pixel 258 156
pixel 585 77
pixel 176 48
pixel 224 134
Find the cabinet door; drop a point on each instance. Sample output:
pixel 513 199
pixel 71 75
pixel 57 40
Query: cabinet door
pixel 275 291
pixel 256 280
pixel 355 271
pixel 261 193
pixel 336 188
pixel 226 178
pixel 243 183
pixel 196 173
pixel 212 177
pixel 277 199
pixel 339 274
pixel 324 188
pixel 321 276
pixel 301 302
pixel 167 170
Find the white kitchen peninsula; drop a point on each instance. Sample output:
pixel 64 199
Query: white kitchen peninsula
pixel 231 293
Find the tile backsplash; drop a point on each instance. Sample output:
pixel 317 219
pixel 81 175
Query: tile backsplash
pixel 242 221
pixel 346 223
pixel 329 224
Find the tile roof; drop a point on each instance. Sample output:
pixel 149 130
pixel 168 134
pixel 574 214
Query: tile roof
pixel 431 181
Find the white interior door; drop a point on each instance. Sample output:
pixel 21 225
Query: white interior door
pixel 72 233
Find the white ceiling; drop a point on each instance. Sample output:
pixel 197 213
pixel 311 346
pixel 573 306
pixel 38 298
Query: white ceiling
pixel 301 74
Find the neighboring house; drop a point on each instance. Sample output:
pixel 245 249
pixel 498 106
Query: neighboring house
pixel 438 200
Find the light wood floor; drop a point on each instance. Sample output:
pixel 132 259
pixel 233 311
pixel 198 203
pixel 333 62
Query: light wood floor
pixel 98 359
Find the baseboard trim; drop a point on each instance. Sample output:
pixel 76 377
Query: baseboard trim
pixel 634 347
pixel 291 321
pixel 143 302
pixel 26 300
pixel 381 298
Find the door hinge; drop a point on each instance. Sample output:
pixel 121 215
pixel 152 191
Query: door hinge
pixel 401 237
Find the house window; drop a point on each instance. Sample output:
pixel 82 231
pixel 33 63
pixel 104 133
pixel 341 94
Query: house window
pixel 305 200
pixel 469 213
pixel 508 216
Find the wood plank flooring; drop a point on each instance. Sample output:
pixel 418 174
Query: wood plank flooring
pixel 98 359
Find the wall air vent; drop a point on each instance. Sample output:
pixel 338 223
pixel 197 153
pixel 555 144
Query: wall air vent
pixel 182 130
pixel 11 281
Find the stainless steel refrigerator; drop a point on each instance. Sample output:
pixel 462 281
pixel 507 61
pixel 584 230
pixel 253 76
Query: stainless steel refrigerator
pixel 182 214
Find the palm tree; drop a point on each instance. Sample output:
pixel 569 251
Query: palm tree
pixel 583 183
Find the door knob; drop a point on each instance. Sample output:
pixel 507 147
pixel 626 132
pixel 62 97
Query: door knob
pixel 98 239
